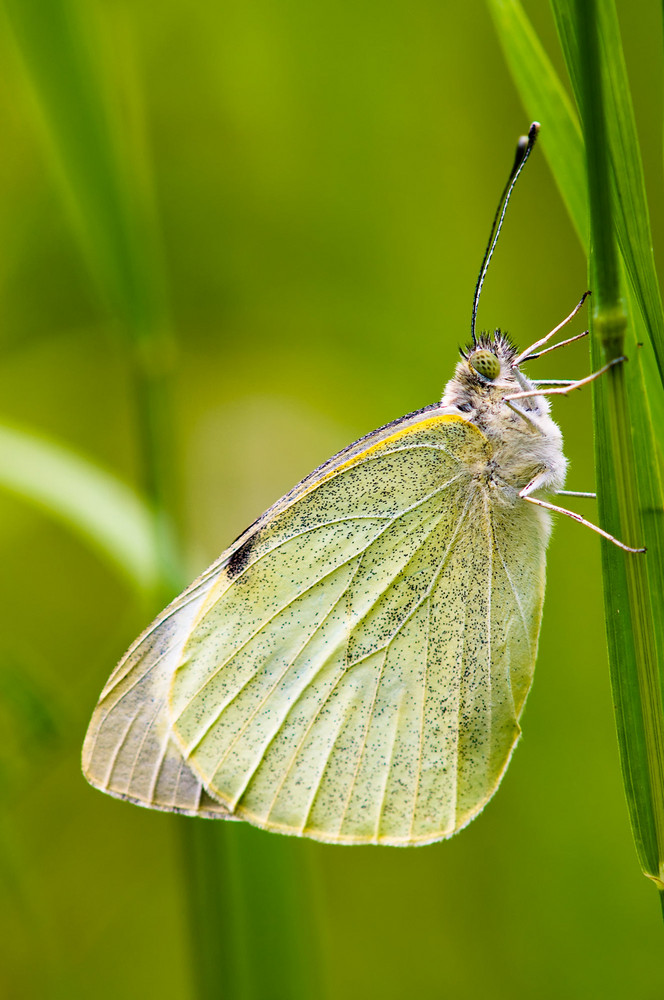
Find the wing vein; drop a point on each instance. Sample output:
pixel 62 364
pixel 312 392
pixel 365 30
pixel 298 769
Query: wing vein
pixel 278 680
pixel 362 748
pixel 307 589
pixel 391 519
pixel 116 752
pixel 418 776
pixel 457 710
pixel 321 775
pixel 300 742
pixel 141 744
pixel 489 678
pixel 136 681
pixel 388 768
pixel 182 765
pixel 514 591
pixel 434 580
pixel 159 765
pixel 185 599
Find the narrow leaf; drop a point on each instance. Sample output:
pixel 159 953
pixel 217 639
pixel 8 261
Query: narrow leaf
pixel 64 53
pixel 546 101
pixel 631 499
pixel 92 502
pixel 629 449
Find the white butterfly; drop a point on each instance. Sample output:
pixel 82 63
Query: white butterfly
pixel 354 667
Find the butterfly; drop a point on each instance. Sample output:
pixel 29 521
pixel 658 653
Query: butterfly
pixel 354 667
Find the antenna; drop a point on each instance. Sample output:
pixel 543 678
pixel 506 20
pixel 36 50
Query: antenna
pixel 523 150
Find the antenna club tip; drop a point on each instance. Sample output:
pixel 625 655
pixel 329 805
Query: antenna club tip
pixel 533 132
pixel 528 141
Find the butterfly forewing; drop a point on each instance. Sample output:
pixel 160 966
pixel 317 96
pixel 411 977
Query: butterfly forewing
pixel 356 670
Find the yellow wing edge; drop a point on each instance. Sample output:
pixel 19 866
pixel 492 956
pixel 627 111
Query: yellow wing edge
pixel 373 442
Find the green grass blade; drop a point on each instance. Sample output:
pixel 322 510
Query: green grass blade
pixel 631 501
pixel 546 101
pixel 630 204
pixel 64 52
pixel 608 309
pixel 105 512
pixel 628 447
pixel 636 656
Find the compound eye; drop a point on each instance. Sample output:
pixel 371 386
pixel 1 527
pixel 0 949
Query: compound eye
pixel 486 363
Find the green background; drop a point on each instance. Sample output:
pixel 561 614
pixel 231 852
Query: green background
pixel 322 179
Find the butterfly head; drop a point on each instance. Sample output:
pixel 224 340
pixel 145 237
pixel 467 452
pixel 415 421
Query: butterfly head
pixel 485 374
pixel 490 354
pixel 488 363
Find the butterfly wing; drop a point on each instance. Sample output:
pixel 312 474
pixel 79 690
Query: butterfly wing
pixel 129 750
pixel 355 671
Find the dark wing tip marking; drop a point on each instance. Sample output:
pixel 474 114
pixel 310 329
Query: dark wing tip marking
pixel 239 559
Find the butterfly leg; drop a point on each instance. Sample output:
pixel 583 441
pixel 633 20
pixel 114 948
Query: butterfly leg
pixel 553 381
pixel 564 390
pixel 536 484
pixel 522 413
pixel 554 347
pixel 540 343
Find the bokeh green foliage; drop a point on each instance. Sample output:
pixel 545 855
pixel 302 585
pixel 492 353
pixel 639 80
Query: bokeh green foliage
pixel 307 191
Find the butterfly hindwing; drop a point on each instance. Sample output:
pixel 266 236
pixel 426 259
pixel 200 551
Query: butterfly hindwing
pixel 129 750
pixel 356 669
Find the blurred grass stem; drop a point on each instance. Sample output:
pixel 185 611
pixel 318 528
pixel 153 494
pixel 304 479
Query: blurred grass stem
pixel 71 71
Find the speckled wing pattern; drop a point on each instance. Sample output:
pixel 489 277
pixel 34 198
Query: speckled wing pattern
pixel 354 668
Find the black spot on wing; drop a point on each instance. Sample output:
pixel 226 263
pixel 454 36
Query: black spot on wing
pixel 240 558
